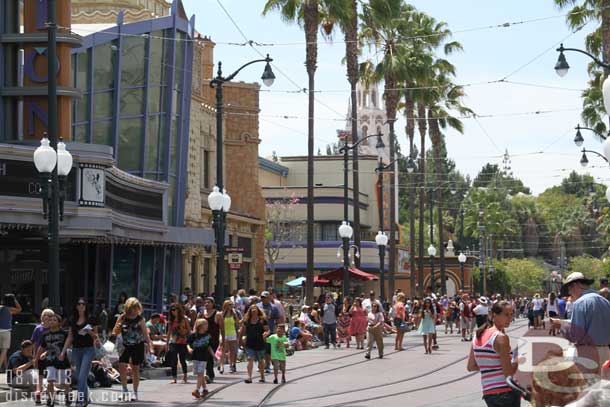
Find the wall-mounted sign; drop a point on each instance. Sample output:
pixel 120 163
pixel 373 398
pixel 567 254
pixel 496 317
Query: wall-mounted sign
pixel 20 178
pixel 92 186
pixel 235 257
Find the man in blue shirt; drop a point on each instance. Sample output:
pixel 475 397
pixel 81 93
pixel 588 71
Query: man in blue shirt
pixel 561 304
pixel 272 315
pixel 588 328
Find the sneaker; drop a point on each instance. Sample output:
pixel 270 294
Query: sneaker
pixel 268 370
pixel 233 369
pixel 274 381
pixel 283 381
pixel 248 381
pixel 37 400
pixel 196 394
pixel 261 380
pixel 334 346
pixel 134 396
pixel 367 356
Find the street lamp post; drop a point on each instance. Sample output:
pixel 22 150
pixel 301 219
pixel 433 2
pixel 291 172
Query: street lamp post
pixel 462 259
pixel 562 67
pixel 584 161
pixel 482 252
pixel 380 146
pixel 382 240
pixel 432 253
pixel 219 201
pixel 54 167
pixel 578 138
pixel 380 169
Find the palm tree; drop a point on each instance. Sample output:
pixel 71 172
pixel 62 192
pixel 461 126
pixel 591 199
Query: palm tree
pixel 307 14
pixel 383 25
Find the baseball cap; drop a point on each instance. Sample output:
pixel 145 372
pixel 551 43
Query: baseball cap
pixel 265 294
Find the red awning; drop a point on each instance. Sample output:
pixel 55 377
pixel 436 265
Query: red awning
pixel 353 273
pixel 320 282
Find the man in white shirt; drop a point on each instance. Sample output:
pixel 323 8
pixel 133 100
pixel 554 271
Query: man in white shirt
pixel 367 303
pixel 481 311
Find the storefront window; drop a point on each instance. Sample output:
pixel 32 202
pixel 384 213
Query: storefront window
pixel 147 274
pixel 124 271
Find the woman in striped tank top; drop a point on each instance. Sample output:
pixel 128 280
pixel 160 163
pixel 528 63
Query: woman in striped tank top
pixel 491 355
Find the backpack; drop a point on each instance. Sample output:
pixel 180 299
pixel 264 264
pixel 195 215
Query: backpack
pixel 393 312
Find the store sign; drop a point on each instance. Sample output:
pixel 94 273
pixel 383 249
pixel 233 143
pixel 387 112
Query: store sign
pixel 92 185
pixel 20 178
pixel 235 257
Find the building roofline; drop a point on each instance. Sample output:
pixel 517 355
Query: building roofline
pixel 272 166
pixel 326 158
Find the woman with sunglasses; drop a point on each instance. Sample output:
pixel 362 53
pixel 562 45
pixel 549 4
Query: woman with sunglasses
pixel 82 338
pixel 177 336
pixel 427 328
pixel 229 334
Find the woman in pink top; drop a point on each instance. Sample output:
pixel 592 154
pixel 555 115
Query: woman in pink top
pixel 359 323
pixel 491 355
pixel 399 320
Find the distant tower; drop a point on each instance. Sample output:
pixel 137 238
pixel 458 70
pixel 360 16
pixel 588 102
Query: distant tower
pixel 371 120
pixel 506 168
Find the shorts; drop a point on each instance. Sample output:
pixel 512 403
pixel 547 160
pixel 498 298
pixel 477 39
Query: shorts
pixel 133 354
pixel 267 349
pixel 539 313
pixel 199 366
pixel 256 355
pixel 278 363
pixel 59 376
pixel 5 339
pixel 465 322
pixel 552 314
pixel 231 337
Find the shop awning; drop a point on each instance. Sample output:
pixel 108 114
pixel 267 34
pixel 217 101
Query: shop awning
pixel 317 281
pixel 354 273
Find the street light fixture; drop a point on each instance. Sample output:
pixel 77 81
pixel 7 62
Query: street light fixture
pixel 432 254
pixel 462 259
pixel 220 203
pixel 54 167
pixel 562 67
pixel 382 241
pixel 584 161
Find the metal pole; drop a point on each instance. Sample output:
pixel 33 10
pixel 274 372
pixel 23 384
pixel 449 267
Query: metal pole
pixel 219 217
pixel 53 274
pixel 431 214
pixel 382 273
pixel 462 274
pixel 346 218
pixel 482 257
pixel 381 226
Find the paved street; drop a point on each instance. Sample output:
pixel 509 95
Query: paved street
pixel 340 377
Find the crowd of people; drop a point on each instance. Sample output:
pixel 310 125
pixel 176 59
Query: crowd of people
pixel 263 330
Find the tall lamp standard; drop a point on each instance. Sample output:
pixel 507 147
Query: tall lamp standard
pixel 382 241
pixel 462 259
pixel 54 167
pixel 219 201
pixel 380 169
pixel 344 233
pixel 432 253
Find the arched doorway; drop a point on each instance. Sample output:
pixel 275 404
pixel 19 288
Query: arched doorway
pixel 452 283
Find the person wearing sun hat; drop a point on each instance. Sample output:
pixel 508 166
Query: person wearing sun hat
pixel 588 327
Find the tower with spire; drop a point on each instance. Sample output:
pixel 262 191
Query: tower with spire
pixel 372 119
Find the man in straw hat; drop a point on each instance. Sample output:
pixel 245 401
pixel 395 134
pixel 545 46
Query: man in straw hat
pixel 588 328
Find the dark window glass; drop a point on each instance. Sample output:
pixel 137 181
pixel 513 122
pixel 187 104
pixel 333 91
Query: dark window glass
pixel 206 169
pixel 330 231
pixel 124 271
pixel 133 63
pixel 132 101
pixel 102 133
pixel 179 65
pixel 82 73
pixel 155 143
pixel 81 107
pixel 170 200
pixel 104 57
pixel 80 133
pixel 156 101
pixel 246 244
pixel 147 275
pixel 173 146
pixel 130 144
pixel 158 58
pixel 102 105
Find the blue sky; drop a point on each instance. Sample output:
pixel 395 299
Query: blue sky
pixel 540 145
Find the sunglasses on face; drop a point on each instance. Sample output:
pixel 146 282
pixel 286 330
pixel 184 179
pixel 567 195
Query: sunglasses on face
pixel 80 303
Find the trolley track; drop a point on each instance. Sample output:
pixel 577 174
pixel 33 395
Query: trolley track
pixel 273 391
